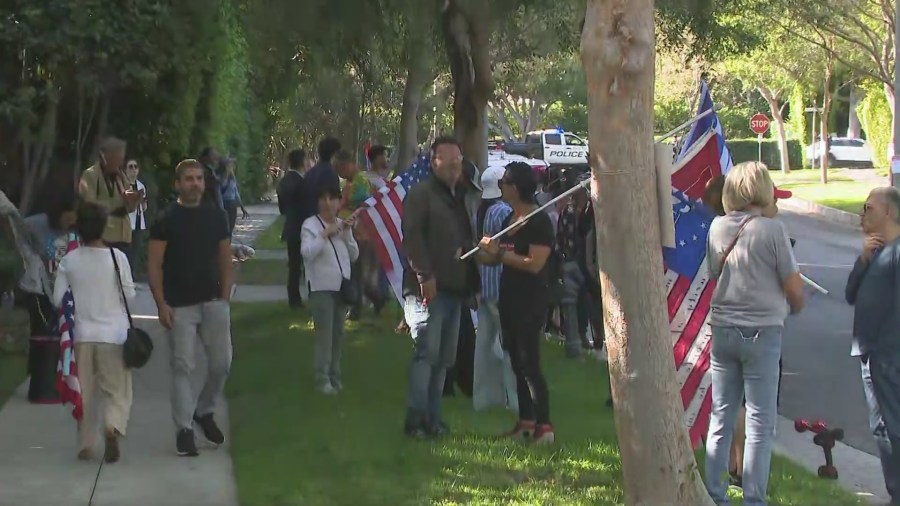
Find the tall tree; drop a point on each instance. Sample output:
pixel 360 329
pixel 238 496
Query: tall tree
pixel 617 48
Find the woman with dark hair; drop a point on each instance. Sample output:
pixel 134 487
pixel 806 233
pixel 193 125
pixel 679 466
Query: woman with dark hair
pixel 524 294
pixel 53 233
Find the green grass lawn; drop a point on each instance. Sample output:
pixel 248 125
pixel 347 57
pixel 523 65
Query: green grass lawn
pixel 293 446
pixel 262 272
pixel 270 238
pixel 840 192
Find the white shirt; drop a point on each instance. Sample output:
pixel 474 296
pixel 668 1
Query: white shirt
pixel 142 207
pixel 99 311
pixel 320 260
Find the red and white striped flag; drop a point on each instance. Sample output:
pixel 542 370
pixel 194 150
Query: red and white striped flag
pixel 67 369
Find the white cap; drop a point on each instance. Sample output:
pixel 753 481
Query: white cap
pixel 490 182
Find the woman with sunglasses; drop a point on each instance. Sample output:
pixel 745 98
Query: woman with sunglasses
pixel 524 292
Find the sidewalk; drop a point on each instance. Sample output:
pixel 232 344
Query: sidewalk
pixel 38 443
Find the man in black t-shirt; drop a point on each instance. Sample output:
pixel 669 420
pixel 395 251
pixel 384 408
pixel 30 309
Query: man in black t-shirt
pixel 191 280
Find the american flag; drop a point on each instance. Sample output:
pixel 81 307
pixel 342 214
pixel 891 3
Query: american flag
pixel 382 217
pixel 703 156
pixel 67 369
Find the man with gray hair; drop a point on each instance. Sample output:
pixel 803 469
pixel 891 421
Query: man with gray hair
pixel 874 289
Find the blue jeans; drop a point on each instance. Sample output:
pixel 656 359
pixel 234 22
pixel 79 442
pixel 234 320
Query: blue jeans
pixel 890 460
pixel 574 330
pixel 435 331
pixel 744 363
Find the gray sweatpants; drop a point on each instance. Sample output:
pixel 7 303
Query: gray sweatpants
pixel 211 322
pixel 328 313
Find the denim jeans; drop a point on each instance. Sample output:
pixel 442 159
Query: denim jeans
pixel 574 330
pixel 744 364
pixel 881 378
pixel 435 330
pixel 494 383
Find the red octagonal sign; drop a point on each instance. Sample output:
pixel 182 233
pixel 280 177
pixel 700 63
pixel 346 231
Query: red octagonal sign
pixel 759 123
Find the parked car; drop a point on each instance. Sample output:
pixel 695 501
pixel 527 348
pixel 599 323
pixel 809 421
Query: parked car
pixel 554 146
pixel 842 152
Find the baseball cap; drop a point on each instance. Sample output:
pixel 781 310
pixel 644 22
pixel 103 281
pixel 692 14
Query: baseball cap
pixel 782 194
pixel 490 182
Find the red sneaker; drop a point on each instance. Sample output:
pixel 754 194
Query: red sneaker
pixel 523 430
pixel 543 435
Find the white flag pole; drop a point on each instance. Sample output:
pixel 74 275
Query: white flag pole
pixel 583 184
pixel 813 284
pixel 685 125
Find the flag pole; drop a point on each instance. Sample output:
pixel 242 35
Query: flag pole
pixel 584 184
pixel 813 284
pixel 685 125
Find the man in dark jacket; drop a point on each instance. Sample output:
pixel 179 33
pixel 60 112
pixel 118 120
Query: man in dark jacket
pixel 323 175
pixel 436 232
pixel 295 203
pixel 213 193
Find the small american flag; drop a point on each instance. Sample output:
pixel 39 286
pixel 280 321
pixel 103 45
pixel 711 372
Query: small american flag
pixel 383 215
pixel 67 368
pixel 703 156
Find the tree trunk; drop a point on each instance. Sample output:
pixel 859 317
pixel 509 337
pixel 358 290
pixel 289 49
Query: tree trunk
pixel 417 77
pixel 617 50
pixel 826 108
pixel 854 127
pixel 775 110
pixel 467 37
pixel 38 154
pixel 889 95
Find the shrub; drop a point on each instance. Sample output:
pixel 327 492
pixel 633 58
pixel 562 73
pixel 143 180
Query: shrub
pixel 744 150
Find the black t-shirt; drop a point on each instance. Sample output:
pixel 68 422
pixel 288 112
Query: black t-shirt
pixel 191 263
pixel 518 284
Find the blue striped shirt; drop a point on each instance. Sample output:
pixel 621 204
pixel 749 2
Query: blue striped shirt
pixel 490 275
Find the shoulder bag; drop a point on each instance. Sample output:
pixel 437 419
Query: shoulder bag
pixel 349 292
pixel 731 246
pixel 138 345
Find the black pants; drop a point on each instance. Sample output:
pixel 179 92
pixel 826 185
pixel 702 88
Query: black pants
pixel 231 208
pixel 295 271
pixel 43 349
pixel 521 323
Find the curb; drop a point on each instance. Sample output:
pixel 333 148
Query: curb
pixel 826 213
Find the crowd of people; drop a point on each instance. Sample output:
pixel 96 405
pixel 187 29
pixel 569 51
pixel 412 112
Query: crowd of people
pixel 542 273
pixel 80 253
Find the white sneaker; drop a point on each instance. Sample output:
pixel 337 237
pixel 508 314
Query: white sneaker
pixel 327 389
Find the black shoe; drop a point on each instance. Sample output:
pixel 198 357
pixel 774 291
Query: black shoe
pixel 735 481
pixel 414 431
pixel 210 430
pixel 439 429
pixel 609 402
pixel 184 443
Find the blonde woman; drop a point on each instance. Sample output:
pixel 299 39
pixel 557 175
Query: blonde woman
pixel 758 285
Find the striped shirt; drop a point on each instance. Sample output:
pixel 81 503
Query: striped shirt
pixel 490 274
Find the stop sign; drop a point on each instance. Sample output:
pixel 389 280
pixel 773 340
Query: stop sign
pixel 759 123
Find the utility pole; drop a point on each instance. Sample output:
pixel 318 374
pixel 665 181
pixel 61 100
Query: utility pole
pixel 895 162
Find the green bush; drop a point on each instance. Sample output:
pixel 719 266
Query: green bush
pixel 744 150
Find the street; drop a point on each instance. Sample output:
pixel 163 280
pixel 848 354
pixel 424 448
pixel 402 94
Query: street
pixel 821 380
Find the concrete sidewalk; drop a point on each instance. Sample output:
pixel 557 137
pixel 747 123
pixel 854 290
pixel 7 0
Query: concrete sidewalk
pixel 38 465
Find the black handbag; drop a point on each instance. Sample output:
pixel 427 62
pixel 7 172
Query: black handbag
pixel 138 345
pixel 349 292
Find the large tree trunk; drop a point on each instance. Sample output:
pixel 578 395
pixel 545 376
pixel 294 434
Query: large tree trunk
pixel 617 50
pixel 467 37
pixel 775 110
pixel 418 73
pixel 889 95
pixel 37 155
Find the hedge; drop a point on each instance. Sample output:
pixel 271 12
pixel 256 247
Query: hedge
pixel 744 150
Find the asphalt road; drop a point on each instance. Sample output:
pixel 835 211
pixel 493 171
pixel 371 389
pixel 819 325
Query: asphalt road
pixel 821 380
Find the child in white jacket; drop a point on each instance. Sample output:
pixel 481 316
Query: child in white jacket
pixel 328 250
